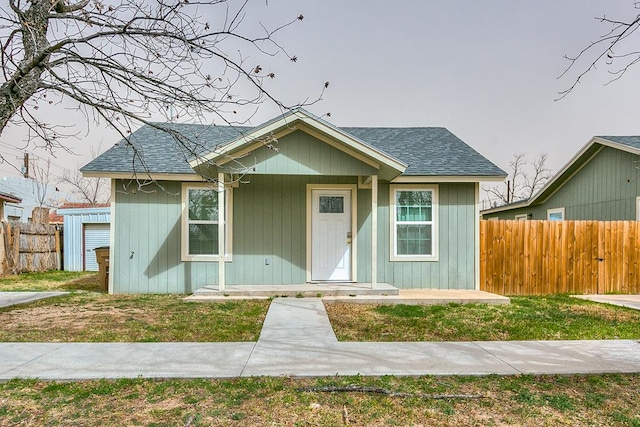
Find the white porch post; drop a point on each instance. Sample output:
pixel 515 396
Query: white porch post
pixel 221 232
pixel 374 231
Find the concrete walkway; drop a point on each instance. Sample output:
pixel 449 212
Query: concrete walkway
pixel 14 298
pixel 629 301
pixel 297 340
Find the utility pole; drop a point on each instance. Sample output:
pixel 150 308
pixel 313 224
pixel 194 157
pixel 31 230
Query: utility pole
pixel 25 167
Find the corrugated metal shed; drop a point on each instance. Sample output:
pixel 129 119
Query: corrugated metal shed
pixel 75 223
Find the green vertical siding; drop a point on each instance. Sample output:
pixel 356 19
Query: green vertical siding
pixel 456 224
pixel 605 189
pixel 269 222
pixel 147 243
pixel 299 153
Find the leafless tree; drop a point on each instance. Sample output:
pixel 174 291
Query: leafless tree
pixel 616 48
pixel 94 191
pixel 123 62
pixel 524 180
pixel 41 175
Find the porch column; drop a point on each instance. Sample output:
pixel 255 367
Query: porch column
pixel 221 232
pixel 374 231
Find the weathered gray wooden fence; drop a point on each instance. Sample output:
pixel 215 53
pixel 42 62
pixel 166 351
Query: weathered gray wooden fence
pixel 29 247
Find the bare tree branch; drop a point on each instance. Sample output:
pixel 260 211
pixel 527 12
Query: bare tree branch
pixel 124 62
pixel 610 49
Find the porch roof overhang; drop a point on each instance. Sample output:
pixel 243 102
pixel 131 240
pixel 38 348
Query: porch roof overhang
pixel 388 167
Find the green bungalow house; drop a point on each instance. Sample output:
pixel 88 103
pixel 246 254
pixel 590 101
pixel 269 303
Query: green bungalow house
pixel 304 202
pixel 601 182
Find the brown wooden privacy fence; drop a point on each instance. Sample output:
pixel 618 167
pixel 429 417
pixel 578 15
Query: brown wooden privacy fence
pixel 28 247
pixel 548 257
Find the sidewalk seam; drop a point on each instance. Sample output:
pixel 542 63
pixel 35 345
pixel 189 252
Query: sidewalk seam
pixel 477 344
pixel 34 359
pixel 246 363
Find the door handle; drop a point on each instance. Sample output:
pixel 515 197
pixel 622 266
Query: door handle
pixel 348 237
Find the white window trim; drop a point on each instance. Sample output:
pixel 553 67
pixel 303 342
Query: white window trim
pixel 184 244
pixel 392 223
pixel 522 217
pixel 556 210
pixel 638 208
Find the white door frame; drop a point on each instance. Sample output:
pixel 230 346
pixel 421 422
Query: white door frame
pixel 354 223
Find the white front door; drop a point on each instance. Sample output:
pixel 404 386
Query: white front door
pixel 331 235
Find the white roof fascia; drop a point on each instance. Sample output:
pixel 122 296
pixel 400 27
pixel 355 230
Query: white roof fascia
pixel 356 144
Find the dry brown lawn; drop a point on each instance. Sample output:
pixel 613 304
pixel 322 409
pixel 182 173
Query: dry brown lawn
pixel 610 400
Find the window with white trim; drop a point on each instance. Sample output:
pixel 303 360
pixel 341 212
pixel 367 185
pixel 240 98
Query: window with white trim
pixel 555 214
pixel 200 221
pixel 522 217
pixel 414 212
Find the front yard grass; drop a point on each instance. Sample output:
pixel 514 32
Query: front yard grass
pixel 557 317
pixel 50 281
pixel 89 316
pixel 611 400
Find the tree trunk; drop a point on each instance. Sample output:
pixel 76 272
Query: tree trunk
pixel 26 80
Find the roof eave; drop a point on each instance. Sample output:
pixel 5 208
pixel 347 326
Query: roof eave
pixel 449 178
pixel 143 176
pixel 505 208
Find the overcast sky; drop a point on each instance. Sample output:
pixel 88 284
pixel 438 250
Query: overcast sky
pixel 487 70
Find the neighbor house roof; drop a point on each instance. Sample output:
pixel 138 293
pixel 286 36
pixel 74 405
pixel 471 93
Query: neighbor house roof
pixel 5 197
pixel 56 217
pixel 424 151
pixel 630 144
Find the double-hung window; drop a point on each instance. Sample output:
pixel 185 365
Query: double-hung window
pixel 414 215
pixel 200 222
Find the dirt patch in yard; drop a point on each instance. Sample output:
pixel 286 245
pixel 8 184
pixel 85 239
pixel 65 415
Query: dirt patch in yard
pixel 94 317
pixel 606 312
pixel 72 318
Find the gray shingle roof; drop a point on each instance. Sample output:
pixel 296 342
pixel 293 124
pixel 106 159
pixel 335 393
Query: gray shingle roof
pixel 430 151
pixel 151 150
pixel 631 141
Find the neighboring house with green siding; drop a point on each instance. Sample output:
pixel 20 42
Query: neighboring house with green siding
pixel 299 202
pixel 601 182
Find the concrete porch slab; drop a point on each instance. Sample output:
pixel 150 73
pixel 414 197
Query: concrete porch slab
pixel 424 297
pixel 302 290
pixel 352 294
